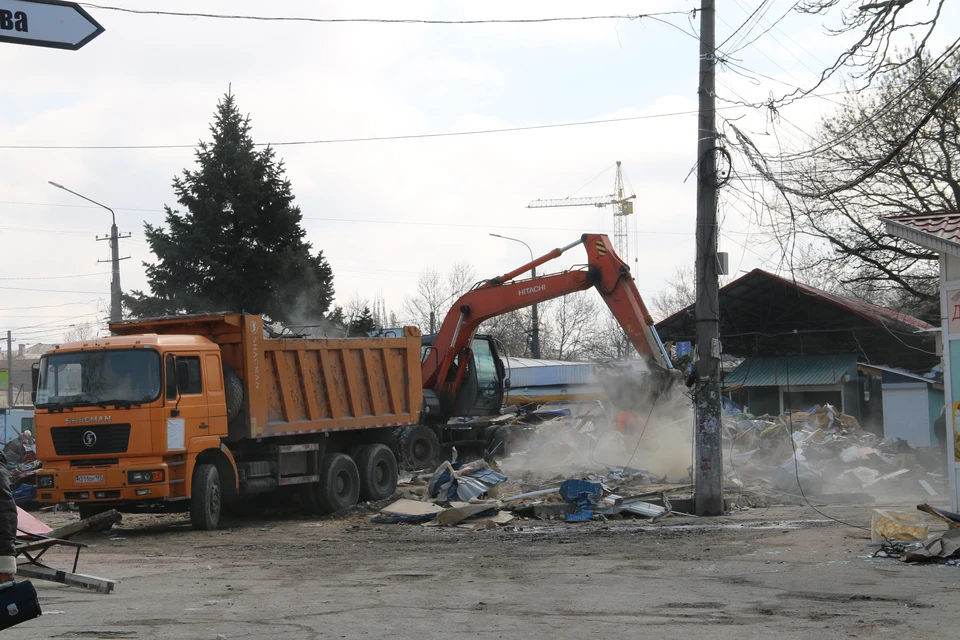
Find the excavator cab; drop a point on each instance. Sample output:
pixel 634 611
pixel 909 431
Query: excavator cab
pixel 484 380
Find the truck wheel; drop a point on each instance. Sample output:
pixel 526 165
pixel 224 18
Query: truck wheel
pixel 205 501
pixel 233 392
pixel 339 486
pixel 419 448
pixel 378 472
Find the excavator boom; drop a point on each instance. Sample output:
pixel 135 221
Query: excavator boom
pixel 604 271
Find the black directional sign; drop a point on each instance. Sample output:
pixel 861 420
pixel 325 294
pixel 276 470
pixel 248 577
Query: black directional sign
pixel 46 23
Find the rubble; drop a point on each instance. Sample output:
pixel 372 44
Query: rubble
pixel 823 452
pixel 898 526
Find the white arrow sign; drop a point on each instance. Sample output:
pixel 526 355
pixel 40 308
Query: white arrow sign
pixel 46 23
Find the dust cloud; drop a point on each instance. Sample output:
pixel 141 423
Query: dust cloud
pixel 659 439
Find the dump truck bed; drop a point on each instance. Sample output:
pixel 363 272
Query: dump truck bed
pixel 296 385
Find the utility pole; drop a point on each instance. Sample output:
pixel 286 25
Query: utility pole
pixel 9 370
pixel 116 293
pixel 116 310
pixel 708 465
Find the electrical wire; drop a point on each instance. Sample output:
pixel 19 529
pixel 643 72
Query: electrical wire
pixel 221 16
pixel 96 293
pixel 82 275
pixel 414 136
pixel 796 461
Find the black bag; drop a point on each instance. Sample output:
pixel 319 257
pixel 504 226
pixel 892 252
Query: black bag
pixel 18 603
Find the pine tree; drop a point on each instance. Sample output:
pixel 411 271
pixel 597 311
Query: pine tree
pixel 238 245
pixel 363 323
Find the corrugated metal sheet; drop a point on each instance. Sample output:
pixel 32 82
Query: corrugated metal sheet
pixel 527 372
pixel 944 225
pixel 792 371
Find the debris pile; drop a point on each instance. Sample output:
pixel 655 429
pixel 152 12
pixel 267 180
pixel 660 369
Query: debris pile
pixel 825 453
pixel 475 496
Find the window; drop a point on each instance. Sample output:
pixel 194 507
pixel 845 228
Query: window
pixel 488 383
pixel 171 378
pixel 189 368
pixel 98 376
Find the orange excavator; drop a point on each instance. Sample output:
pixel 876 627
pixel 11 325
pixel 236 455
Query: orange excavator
pixel 464 374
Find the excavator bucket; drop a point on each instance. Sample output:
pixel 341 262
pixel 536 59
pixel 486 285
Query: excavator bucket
pixel 635 386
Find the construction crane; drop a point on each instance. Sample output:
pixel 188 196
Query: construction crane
pixel 622 207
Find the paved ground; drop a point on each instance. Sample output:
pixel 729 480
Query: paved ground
pixel 780 572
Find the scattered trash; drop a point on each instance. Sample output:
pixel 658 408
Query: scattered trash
pixel 458 481
pixel 404 510
pixel 953 519
pixel 584 495
pixel 941 547
pixel 897 526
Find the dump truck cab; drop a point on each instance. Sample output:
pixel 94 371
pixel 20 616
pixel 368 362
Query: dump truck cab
pixel 99 401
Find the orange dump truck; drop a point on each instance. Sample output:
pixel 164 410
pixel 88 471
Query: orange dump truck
pixel 203 412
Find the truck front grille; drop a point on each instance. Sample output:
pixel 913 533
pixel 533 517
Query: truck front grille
pixel 106 438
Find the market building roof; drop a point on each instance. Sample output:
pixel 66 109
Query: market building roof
pixel 762 314
pixel 939 231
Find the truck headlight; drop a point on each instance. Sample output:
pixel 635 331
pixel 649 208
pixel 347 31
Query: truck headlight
pixel 144 477
pixel 45 482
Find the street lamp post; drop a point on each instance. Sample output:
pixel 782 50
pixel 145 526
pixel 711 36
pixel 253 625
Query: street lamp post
pixel 534 318
pixel 116 311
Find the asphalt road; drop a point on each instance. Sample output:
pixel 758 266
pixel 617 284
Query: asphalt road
pixel 776 573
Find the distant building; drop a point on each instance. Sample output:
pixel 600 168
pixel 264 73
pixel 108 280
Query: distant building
pixel 24 358
pixel 801 346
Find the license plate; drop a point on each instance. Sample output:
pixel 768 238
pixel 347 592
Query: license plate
pixel 90 479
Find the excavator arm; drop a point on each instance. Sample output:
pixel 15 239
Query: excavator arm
pixel 604 271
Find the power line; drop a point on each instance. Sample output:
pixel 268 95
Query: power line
pixel 415 136
pixel 760 7
pixel 96 293
pixel 82 275
pixel 482 226
pixel 76 206
pixel 49 306
pixel 221 16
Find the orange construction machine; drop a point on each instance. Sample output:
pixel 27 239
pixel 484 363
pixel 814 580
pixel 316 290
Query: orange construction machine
pixel 464 375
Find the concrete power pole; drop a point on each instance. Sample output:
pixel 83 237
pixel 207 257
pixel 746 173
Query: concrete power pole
pixel 116 310
pixel 708 466
pixel 116 293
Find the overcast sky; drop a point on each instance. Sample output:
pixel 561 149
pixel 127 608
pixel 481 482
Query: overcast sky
pixel 383 211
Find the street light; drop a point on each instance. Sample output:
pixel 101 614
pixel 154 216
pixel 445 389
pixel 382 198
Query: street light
pixel 116 312
pixel 535 340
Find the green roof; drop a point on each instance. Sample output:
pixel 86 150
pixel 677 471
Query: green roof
pixel 792 371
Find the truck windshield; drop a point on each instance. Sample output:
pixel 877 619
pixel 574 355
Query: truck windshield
pixel 105 377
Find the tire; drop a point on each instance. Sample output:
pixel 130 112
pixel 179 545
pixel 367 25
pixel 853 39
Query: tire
pixel 339 486
pixel 505 440
pixel 90 510
pixel 378 472
pixel 206 498
pixel 233 392
pixel 419 448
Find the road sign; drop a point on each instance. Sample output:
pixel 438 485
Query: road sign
pixel 46 23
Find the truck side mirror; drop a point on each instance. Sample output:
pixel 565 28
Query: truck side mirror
pixel 506 383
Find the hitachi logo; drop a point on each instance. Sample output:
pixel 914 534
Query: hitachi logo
pixel 536 289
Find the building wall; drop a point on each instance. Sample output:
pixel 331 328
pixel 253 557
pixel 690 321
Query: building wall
pixel 949 306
